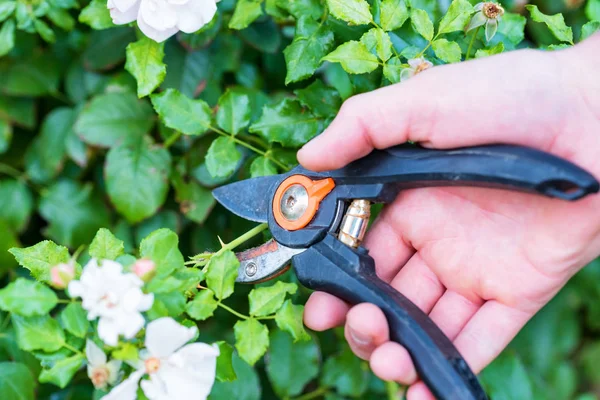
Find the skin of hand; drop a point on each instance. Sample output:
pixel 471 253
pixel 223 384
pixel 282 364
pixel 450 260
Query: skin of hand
pixel 480 262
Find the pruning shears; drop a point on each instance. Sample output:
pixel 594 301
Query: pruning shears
pixel 318 221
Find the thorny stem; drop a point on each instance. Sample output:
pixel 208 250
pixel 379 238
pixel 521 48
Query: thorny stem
pixel 231 310
pixel 172 139
pixel 313 395
pixel 471 42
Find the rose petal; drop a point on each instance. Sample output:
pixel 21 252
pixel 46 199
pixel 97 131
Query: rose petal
pixel 195 14
pixel 164 336
pixel 108 331
pixel 127 389
pixel 94 354
pixel 491 27
pixel 123 5
pixel 156 34
pixel 114 366
pixel 406 74
pixel 158 14
pixel 175 383
pixel 199 359
pixel 478 20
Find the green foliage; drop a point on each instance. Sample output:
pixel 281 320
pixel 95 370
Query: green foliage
pixel 89 168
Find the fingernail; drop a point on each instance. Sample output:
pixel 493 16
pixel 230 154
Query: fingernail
pixel 360 339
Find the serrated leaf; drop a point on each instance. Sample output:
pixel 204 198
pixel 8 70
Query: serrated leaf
pixel 96 15
pixel 267 300
pixel 556 23
pixel 16 381
pixel 44 30
pixel 106 246
pixel 195 201
pixel 291 366
pixel 145 63
pixel 592 10
pixel 40 259
pixel 287 123
pixel 247 386
pixel 251 340
pixel 512 27
pixel 447 51
pixel 378 42
pixel 137 178
pixel 162 247
pixel 246 12
pixel 225 370
pixel 74 319
pixel 62 371
pixel 112 118
pixel 497 49
pixel 179 112
pixel 354 57
pixel 393 14
pixel 312 42
pixel 16 204
pixel 357 12
pixel 392 69
pixel 27 298
pixel 222 272
pixel 167 305
pixel 323 101
pixel 289 319
pixel 262 166
pixel 203 305
pixel 234 111
pixel 38 333
pixel 7 37
pixel 457 16
pixel 6 9
pixel 222 158
pixel 301 8
pixel 421 23
pixel 589 29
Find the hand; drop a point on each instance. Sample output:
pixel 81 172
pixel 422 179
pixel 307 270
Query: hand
pixel 480 262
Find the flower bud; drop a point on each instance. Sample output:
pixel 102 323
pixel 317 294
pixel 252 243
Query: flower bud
pixel 61 275
pixel 145 269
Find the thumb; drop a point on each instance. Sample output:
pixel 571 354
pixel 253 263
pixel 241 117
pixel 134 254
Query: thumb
pixel 478 102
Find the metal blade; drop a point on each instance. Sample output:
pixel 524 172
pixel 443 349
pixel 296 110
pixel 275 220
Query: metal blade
pixel 248 199
pixel 264 262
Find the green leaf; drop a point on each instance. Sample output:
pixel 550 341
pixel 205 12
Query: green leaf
pixel 245 387
pixel 145 63
pixel 35 75
pixel 233 114
pixel 74 319
pixel 112 118
pixel 346 373
pixel 167 305
pixel 40 259
pixel 223 157
pixel 106 246
pixel 251 340
pixel 137 178
pixel 16 204
pixel 592 10
pixel 225 370
pixel 7 37
pixel 61 18
pixel 312 42
pixel 421 23
pixel 106 48
pixel 44 30
pixel 63 371
pixel 291 366
pixel 506 378
pixel 354 57
pixel 74 213
pixel 162 247
pixel 393 14
pixel 289 319
pixel 512 27
pixel 262 166
pixel 357 12
pixel 447 51
pixel 38 333
pixel 5 135
pixel 266 300
pixel 392 69
pixel 497 49
pixel 457 16
pixel 287 123
pixel 18 110
pixel 246 12
pixel 203 305
pixel 96 15
pixel 222 272
pixel 179 112
pixel 16 382
pixel 126 352
pixel 6 9
pixel 378 42
pixel 589 29
pixel 323 101
pixel 556 24
pixel 195 201
pixel 301 8
pixel 27 298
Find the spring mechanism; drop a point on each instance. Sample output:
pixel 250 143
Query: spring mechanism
pixel 354 224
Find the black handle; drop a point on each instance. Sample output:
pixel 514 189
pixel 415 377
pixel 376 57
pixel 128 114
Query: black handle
pixel 500 166
pixel 332 267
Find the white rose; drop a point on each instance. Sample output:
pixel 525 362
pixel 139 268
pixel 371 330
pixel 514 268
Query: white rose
pixel 161 19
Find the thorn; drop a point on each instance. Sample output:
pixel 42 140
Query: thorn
pixel 220 241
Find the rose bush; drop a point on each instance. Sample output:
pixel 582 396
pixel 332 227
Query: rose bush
pixel 117 119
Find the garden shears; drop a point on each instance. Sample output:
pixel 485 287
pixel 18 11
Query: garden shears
pixel 318 221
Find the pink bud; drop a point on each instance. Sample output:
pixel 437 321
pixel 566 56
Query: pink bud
pixel 61 275
pixel 144 268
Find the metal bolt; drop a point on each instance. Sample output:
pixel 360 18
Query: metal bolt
pixel 251 269
pixel 294 202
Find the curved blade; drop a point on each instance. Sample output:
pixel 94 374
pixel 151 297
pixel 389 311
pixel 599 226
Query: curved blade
pixel 248 199
pixel 264 262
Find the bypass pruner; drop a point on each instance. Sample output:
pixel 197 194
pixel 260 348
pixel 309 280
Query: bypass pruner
pixel 318 220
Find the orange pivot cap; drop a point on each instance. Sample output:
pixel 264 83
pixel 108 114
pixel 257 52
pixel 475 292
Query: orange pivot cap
pixel 297 200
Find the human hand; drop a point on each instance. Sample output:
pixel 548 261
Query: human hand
pixel 480 262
